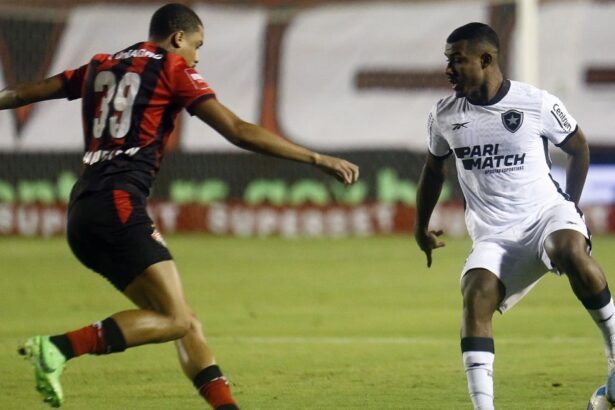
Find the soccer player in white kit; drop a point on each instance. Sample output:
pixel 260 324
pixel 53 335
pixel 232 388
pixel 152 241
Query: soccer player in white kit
pixel 522 223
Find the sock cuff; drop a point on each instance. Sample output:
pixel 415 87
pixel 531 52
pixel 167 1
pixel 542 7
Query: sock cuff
pixel 206 375
pixel 478 359
pixel 114 338
pixel 597 301
pixel 62 342
pixel 477 344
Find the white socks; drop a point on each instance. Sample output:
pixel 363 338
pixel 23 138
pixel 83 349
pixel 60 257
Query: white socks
pixel 605 319
pixel 479 372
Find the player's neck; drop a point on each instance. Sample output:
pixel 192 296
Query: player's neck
pixel 488 90
pixel 164 44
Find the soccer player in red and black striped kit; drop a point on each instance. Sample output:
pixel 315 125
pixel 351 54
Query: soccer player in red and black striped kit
pixel 130 100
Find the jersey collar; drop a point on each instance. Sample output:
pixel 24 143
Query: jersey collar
pixel 504 88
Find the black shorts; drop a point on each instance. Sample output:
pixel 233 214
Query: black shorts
pixel 111 233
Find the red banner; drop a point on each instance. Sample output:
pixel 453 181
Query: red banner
pixel 238 219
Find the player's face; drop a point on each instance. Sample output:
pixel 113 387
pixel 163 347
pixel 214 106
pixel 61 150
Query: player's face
pixel 188 46
pixel 464 69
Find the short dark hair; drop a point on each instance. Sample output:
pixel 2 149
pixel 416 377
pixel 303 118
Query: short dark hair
pixel 173 17
pixel 475 32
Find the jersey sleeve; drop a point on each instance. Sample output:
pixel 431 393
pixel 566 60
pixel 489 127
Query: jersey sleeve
pixel 437 144
pixel 556 123
pixel 189 88
pixel 73 81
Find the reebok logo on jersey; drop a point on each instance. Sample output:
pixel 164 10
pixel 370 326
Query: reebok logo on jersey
pixel 561 118
pixel 487 157
pixel 459 125
pixel 512 120
pixel 197 81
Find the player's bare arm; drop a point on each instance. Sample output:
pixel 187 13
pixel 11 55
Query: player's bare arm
pixel 28 93
pixel 428 192
pixel 254 138
pixel 578 163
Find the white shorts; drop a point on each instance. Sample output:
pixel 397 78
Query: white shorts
pixel 518 257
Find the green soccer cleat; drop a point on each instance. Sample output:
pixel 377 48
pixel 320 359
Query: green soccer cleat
pixel 48 364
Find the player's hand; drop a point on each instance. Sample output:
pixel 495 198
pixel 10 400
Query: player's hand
pixel 342 170
pixel 428 241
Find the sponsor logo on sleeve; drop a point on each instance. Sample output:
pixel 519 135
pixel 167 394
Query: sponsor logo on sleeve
pixel 561 118
pixel 197 81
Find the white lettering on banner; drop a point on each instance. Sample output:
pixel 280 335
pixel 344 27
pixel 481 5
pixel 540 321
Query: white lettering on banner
pixel 6 219
pixel 267 222
pixel 27 220
pixel 449 219
pixel 217 219
pixel 32 220
pixel 52 221
pixel 244 221
pixel 223 219
pixel 385 216
pixel 289 224
pixel 167 214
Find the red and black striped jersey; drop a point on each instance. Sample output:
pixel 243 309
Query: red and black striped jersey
pixel 130 101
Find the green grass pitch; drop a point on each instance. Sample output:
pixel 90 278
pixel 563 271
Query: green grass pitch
pixel 304 324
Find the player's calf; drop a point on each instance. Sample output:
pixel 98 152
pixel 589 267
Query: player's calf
pixel 102 337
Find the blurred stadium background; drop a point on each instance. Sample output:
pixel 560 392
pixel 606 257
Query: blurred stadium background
pixel 354 78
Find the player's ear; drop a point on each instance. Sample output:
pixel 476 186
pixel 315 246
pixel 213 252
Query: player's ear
pixel 486 59
pixel 177 38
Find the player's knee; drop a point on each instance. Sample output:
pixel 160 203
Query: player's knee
pixel 180 326
pixel 568 257
pixel 181 322
pixel 567 250
pixel 481 295
pixel 196 325
pixel 190 323
pixel 479 299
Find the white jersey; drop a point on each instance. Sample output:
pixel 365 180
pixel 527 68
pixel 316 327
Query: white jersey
pixel 501 153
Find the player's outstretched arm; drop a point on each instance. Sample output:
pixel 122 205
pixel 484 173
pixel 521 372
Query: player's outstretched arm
pixel 28 93
pixel 578 164
pixel 428 192
pixel 254 138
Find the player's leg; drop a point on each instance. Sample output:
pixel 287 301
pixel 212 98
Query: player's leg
pixel 568 251
pixel 114 334
pixel 159 290
pixel 482 294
